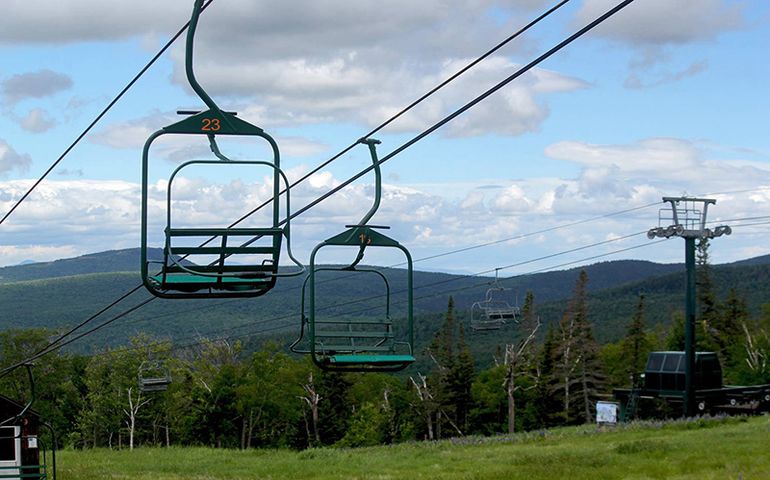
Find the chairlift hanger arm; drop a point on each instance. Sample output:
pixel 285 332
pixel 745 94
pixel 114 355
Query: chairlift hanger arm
pixel 372 144
pixel 189 59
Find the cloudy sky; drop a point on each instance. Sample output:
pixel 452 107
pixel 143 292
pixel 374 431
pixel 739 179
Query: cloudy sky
pixel 664 99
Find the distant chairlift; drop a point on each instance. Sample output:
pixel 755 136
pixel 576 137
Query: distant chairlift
pixel 493 312
pixel 358 344
pixel 154 376
pixel 215 262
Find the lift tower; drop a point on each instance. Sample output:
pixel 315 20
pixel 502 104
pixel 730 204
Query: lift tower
pixel 686 218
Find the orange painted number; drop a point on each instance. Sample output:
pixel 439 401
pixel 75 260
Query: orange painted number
pixel 211 125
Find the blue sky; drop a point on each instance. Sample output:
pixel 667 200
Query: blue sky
pixel 665 99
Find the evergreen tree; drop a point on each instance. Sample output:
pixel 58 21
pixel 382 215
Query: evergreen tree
pixel 578 365
pixel 675 338
pixel 635 345
pixel 334 409
pixel 528 318
pixel 452 376
pixel 546 398
pixel 461 380
pixel 708 314
pixel 727 330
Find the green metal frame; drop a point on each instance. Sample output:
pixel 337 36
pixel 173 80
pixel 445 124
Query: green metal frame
pixel 219 279
pixel 40 471
pixel 350 345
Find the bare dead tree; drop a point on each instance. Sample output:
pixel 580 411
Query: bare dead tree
pixel 567 364
pixel 755 358
pixel 438 410
pixel 513 357
pixel 133 409
pixel 312 399
pixel 426 399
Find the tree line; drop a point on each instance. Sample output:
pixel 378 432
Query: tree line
pixel 220 396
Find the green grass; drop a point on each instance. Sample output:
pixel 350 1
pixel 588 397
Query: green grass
pixel 700 449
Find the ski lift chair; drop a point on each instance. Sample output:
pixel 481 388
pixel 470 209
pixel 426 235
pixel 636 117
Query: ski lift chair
pixel 355 344
pixel 154 376
pixel 492 312
pixel 245 259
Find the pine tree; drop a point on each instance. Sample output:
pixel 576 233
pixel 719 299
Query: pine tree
pixel 635 345
pixel 461 378
pixel 528 317
pixel 708 314
pixel 675 338
pixel 334 410
pixel 452 376
pixel 578 364
pixel 727 329
pixel 546 399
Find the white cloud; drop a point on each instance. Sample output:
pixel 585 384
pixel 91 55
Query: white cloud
pixel 40 84
pixel 300 147
pixel 352 87
pixel 125 135
pixel 14 255
pixel 85 216
pixel 636 81
pixel 512 200
pixel 37 121
pixel 329 65
pixel 642 172
pixel 320 61
pixel 38 21
pixel 10 159
pixel 664 157
pixel 663 22
pixel 654 28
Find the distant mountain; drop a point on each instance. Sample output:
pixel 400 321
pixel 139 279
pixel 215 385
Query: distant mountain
pixel 761 260
pixel 548 285
pixel 111 261
pixel 66 292
pixel 102 262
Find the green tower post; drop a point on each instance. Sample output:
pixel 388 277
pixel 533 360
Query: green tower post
pixel 687 219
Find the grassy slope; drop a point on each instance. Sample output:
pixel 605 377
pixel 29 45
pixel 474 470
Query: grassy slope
pixel 699 449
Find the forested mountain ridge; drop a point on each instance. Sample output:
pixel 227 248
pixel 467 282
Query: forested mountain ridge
pixel 604 274
pixel 65 292
pixel 102 262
